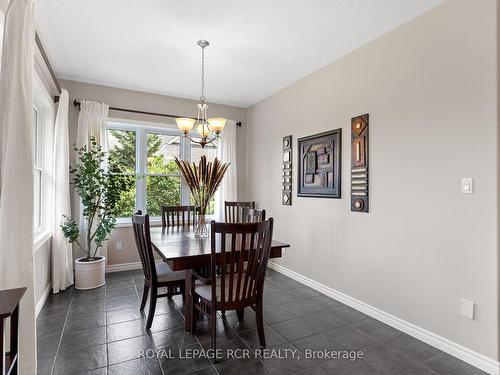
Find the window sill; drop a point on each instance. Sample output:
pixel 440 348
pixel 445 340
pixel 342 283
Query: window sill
pixel 41 239
pixel 154 221
pixel 126 223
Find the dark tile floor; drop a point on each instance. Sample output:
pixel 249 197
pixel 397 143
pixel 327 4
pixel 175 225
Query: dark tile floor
pixel 102 332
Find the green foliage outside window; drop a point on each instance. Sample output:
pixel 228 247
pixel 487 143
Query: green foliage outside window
pixel 160 190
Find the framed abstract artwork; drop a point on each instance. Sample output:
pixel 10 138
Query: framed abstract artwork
pixel 359 163
pixel 319 170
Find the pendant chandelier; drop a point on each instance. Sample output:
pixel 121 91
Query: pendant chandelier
pixel 208 129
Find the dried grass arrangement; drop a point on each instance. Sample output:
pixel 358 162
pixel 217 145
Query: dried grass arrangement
pixel 203 180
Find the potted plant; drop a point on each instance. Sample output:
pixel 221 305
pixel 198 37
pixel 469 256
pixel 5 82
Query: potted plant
pixel 99 190
pixel 203 181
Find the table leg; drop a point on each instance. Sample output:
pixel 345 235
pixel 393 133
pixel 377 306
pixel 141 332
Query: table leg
pixel 188 301
pixel 14 336
pixel 2 355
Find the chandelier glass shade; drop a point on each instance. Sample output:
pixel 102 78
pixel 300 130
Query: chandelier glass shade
pixel 205 129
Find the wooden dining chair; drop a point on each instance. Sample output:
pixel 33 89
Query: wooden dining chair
pixel 252 215
pixel 241 252
pixel 155 276
pixel 233 211
pixel 178 216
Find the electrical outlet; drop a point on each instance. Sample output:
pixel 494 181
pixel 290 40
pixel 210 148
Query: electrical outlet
pixel 467 308
pixel 119 246
pixel 467 185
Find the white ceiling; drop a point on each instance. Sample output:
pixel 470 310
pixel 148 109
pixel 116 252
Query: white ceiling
pixel 257 46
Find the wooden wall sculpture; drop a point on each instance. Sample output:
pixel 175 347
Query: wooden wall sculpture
pixel 359 163
pixel 319 172
pixel 286 193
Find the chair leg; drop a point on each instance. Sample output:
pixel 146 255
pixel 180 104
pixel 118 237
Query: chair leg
pixel 213 329
pixel 169 293
pixel 183 292
pixel 241 315
pixel 259 317
pixel 194 317
pixel 152 308
pixel 144 297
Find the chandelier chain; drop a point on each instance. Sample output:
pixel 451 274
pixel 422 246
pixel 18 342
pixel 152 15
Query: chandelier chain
pixel 202 97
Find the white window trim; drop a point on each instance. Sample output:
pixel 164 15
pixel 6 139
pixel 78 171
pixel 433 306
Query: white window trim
pixel 141 131
pixel 142 128
pixel 43 103
pixel 38 147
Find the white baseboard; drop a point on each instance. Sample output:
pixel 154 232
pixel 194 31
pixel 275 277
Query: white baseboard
pixel 123 267
pixel 42 300
pixel 478 360
pixel 126 266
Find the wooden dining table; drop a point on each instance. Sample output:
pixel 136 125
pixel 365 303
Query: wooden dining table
pixel 181 250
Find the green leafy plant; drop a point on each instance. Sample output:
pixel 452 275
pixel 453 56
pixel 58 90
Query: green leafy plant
pixel 100 191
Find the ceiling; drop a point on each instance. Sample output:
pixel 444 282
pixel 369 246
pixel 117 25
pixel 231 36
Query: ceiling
pixel 256 47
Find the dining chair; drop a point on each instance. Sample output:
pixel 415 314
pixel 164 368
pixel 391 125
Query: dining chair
pixel 178 216
pixel 241 252
pixel 252 215
pixel 155 276
pixel 233 211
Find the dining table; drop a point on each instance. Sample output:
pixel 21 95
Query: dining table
pixel 182 250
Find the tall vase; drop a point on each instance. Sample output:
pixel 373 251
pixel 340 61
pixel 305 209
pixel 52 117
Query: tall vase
pixel 201 229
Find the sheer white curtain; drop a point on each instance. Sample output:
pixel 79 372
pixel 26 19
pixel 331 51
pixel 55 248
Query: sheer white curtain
pixel 16 170
pixel 226 152
pixel 92 122
pixel 62 259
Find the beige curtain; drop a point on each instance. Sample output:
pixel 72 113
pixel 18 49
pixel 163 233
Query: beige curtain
pixel 16 170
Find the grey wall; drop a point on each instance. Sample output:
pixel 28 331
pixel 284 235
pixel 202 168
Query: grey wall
pixel 430 87
pixel 116 97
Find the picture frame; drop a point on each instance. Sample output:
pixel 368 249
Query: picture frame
pixel 319 171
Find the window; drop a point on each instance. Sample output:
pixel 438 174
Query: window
pixel 163 179
pixel 122 150
pixel 37 168
pixel 42 129
pixel 148 156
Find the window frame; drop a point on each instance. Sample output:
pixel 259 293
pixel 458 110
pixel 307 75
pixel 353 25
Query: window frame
pixel 43 103
pixel 38 167
pixel 141 130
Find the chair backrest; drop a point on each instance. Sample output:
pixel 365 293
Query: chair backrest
pixel 178 216
pixel 252 215
pixel 240 253
pixel 233 211
pixel 140 224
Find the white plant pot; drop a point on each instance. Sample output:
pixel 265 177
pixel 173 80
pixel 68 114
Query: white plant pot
pixel 90 275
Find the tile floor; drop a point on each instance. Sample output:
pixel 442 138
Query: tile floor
pixel 102 332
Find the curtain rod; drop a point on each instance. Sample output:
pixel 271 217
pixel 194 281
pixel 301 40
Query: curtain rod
pixel 76 103
pixel 47 62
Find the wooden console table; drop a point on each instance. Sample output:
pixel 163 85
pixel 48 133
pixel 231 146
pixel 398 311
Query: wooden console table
pixel 9 308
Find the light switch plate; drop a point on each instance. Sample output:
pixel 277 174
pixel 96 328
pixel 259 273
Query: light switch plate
pixel 467 185
pixel 467 308
pixel 119 246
